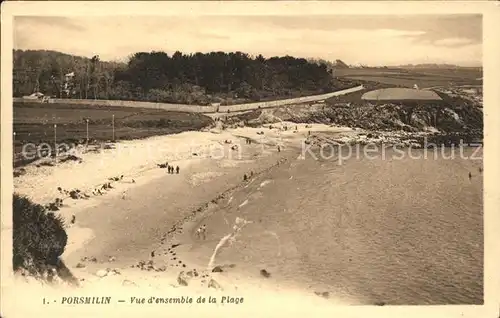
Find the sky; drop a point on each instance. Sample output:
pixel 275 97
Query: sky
pixel 374 40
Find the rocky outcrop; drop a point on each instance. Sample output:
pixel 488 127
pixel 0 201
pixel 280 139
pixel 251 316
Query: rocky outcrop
pixel 453 114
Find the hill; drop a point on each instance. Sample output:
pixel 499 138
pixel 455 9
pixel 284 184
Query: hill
pixel 43 71
pixel 434 66
pixel 199 78
pixel 340 64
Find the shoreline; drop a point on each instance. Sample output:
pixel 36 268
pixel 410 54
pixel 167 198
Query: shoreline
pixel 40 183
pixel 211 184
pixel 80 236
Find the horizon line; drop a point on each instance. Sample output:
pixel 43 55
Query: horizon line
pixel 171 52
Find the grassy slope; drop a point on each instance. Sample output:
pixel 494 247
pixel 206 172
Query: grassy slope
pixel 408 77
pixel 34 123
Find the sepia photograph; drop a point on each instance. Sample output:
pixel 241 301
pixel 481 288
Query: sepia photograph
pixel 221 156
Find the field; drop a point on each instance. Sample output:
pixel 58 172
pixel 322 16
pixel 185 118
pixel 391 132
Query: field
pixel 424 78
pixel 34 123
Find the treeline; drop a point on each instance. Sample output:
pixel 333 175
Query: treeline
pixel 200 78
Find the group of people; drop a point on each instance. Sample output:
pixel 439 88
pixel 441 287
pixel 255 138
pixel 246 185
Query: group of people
pixel 245 177
pixel 101 190
pixel 171 169
pixel 480 171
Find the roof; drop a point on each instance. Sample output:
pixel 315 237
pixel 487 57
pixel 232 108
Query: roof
pixel 401 94
pixel 34 96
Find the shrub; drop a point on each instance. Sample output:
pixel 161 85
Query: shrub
pixel 39 237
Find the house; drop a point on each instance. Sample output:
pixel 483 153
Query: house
pixel 38 97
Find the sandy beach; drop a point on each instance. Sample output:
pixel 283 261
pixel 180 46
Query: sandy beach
pixel 148 209
pixel 258 238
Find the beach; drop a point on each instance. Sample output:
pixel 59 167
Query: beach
pixel 341 233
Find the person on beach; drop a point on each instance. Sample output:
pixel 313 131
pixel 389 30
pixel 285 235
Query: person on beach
pixel 200 232
pixel 245 177
pixel 204 231
pixel 279 149
pixel 177 169
pixel 470 175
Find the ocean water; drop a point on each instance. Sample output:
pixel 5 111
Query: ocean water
pixel 397 231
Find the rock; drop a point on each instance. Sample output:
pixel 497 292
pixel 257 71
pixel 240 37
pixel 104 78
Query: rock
pixel 80 265
pixel 182 279
pixel 93 259
pixel 217 269
pixel 265 273
pixel 113 271
pixel 102 273
pixel 161 268
pixel 213 284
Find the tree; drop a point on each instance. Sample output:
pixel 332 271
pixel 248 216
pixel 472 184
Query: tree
pixel 218 76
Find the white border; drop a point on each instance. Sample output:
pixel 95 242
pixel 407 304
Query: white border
pixel 491 63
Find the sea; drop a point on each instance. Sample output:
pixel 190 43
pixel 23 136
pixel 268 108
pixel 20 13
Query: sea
pixel 385 227
pixel 393 228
